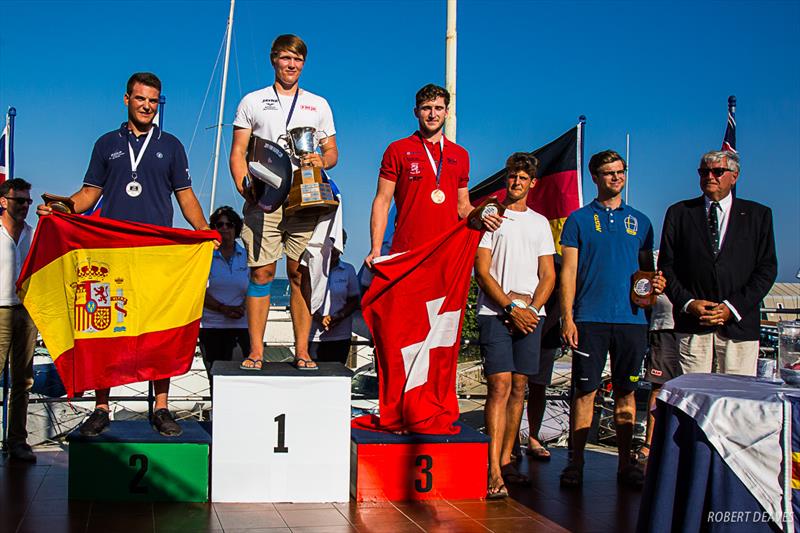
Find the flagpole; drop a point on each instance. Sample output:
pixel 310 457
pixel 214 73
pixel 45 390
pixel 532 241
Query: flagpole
pixel 451 39
pixel 221 108
pixel 12 114
pixel 162 102
pixel 579 151
pixel 628 162
pixel 8 152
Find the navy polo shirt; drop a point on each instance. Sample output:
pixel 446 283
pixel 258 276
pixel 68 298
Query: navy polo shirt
pixel 608 242
pixel 162 170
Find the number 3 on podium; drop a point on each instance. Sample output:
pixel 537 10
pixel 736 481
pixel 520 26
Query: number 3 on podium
pixel 281 447
pixel 425 484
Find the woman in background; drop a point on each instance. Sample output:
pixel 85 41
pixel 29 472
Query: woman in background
pixel 224 324
pixel 332 325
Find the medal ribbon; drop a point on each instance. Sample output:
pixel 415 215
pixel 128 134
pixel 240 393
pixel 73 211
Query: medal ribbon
pixel 291 109
pixel 436 168
pixel 135 162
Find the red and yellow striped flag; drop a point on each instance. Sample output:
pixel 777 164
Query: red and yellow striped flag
pixel 116 302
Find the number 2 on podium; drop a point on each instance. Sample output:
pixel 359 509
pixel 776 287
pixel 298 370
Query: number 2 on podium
pixel 281 447
pixel 135 485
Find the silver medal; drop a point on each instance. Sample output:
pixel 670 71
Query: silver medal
pixel 437 195
pixel 134 189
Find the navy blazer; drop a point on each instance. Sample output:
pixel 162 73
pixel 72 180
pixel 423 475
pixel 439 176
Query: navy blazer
pixel 742 273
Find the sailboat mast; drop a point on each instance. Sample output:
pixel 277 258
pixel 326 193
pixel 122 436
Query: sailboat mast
pixel 628 163
pixel 450 69
pixel 221 109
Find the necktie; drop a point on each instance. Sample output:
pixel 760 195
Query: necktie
pixel 713 226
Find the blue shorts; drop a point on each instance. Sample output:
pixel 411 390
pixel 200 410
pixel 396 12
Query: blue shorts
pixel 626 343
pixel 503 351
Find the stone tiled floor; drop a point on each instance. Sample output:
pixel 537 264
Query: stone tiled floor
pixel 34 499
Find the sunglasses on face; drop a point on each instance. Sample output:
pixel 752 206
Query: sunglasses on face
pixel 220 225
pixel 717 172
pixel 28 201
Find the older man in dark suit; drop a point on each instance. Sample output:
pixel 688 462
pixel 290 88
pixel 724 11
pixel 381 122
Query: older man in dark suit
pixel 718 255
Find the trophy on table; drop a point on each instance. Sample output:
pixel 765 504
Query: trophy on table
pixel 310 193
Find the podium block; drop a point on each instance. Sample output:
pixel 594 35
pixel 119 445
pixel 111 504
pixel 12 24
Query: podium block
pixel 280 434
pixel 385 466
pixel 133 462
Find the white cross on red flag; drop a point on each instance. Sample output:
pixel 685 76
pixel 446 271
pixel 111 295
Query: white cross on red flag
pixel 414 309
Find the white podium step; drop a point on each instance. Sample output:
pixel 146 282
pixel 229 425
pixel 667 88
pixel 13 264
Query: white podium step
pixel 280 434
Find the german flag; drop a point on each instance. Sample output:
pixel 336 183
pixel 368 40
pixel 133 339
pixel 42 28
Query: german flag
pixel 558 191
pixel 116 302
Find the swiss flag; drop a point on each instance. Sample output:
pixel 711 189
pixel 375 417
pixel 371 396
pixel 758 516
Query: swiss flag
pixel 414 309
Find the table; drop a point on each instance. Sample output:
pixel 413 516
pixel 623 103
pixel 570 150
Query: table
pixel 719 454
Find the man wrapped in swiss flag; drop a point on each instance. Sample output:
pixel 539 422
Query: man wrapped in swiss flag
pixel 415 305
pixel 414 309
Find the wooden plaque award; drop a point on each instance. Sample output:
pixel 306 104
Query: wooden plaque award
pixel 62 204
pixel 490 206
pixel 642 292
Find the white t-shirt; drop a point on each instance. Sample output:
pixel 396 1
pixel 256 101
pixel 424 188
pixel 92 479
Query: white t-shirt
pixel 12 255
pixel 661 313
pixel 516 246
pixel 264 113
pixel 342 284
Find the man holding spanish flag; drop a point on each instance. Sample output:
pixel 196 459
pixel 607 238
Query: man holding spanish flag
pixel 135 168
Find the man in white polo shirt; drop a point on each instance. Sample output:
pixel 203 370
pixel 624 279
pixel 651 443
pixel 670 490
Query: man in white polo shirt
pixel 515 272
pixel 269 113
pixel 17 332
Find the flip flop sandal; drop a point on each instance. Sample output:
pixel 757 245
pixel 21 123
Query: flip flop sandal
pixel 500 493
pixel 512 476
pixel 255 364
pixel 304 364
pixel 572 476
pixel 539 453
pixel 639 456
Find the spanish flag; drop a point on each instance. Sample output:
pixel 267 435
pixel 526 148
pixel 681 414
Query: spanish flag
pixel 558 190
pixel 116 302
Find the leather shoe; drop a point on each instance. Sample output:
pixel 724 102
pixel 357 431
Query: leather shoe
pixel 164 423
pixel 97 423
pixel 22 452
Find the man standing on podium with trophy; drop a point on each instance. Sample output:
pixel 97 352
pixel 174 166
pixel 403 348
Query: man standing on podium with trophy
pixel 427 176
pixel 268 115
pixel 604 245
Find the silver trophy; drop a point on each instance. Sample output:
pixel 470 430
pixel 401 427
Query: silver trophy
pixel 303 141
pixel 310 193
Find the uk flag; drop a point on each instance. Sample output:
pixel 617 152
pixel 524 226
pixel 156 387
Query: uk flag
pixel 729 141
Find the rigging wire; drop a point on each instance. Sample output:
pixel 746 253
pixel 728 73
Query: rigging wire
pixel 208 89
pixel 236 64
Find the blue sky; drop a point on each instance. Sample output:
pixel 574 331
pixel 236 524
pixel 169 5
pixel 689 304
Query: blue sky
pixel 526 70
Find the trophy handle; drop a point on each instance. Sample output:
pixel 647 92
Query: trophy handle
pixel 321 137
pixel 286 139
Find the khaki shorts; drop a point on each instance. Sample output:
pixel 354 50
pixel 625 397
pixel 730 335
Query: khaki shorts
pixel 267 236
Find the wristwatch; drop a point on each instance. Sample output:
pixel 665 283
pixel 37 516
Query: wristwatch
pixel 514 303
